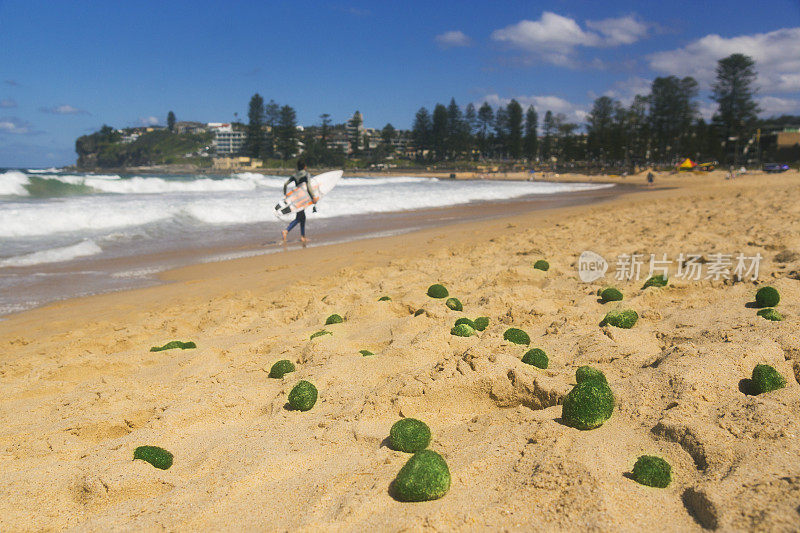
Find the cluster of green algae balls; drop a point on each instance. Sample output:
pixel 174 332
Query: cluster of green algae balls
pixel 438 291
pixel 541 264
pixel 454 304
pixel 536 357
pixel 517 336
pixel 479 324
pixel 158 457
pixel 590 403
pixel 652 471
pixel 766 379
pixel 624 318
pixel 303 396
pixel 462 330
pixel 767 298
pixel 284 366
pixel 409 435
pixel 334 319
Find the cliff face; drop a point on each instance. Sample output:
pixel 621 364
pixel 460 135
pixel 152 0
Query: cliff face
pixel 105 149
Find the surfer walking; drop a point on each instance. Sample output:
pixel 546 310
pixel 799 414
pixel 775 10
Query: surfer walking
pixel 299 178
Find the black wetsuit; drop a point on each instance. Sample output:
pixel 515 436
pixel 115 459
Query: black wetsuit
pixel 299 178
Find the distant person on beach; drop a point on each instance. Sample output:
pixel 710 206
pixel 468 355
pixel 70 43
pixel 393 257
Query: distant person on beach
pixel 650 178
pixel 299 178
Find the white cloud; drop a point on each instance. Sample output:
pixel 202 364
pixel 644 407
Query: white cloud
pixel 63 110
pixel 148 121
pixel 777 57
pixel 542 104
pixel 624 30
pixel 450 39
pixel 555 39
pixel 15 126
pixel 773 106
pixel 625 90
pixel 8 103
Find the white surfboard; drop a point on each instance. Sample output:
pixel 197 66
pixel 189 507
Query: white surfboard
pixel 298 199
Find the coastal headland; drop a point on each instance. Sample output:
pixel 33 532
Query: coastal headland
pixel 81 390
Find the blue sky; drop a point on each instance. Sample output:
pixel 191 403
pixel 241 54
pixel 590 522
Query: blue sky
pixel 67 67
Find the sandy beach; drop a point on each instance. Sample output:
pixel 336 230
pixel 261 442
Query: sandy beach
pixel 81 390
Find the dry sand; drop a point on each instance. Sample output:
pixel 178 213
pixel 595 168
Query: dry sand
pixel 79 389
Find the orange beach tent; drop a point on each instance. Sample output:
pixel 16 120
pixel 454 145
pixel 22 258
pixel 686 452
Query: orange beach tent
pixel 687 164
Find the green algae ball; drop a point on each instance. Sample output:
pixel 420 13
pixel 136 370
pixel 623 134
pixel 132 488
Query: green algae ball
pixel 334 319
pixel 320 333
pixel 536 357
pixel 481 323
pixel 424 477
pixel 624 319
pixel 466 321
pixel 174 344
pixel 454 304
pixel 541 264
pixel 517 336
pixel 419 312
pixel 656 281
pixel 588 373
pixel 438 291
pixel 365 353
pixel 767 297
pixel 767 379
pixel 384 299
pixel 462 330
pixel 158 457
pixel 588 405
pixel 652 471
pixel 303 396
pixel 280 368
pixel 409 435
pixel 610 294
pixel 770 314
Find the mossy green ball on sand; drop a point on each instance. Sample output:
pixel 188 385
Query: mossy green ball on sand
pixel 334 319
pixel 766 379
pixel 174 344
pixel 462 330
pixel 517 336
pixel 365 353
pixel 588 405
pixel 770 314
pixel 424 477
pixel 656 281
pixel 303 396
pixel 320 333
pixel 384 299
pixel 409 435
pixel 767 297
pixel 536 357
pixel 624 319
pixel 454 304
pixel 610 294
pixel 419 312
pixel 481 323
pixel 158 457
pixel 652 471
pixel 588 373
pixel 541 264
pixel 438 291
pixel 284 366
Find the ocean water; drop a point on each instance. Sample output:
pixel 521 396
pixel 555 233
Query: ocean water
pixel 66 224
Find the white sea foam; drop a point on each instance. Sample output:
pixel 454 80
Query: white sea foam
pixel 12 183
pixel 42 170
pixel 53 255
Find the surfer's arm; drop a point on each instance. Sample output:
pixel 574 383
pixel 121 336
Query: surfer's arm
pixel 285 185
